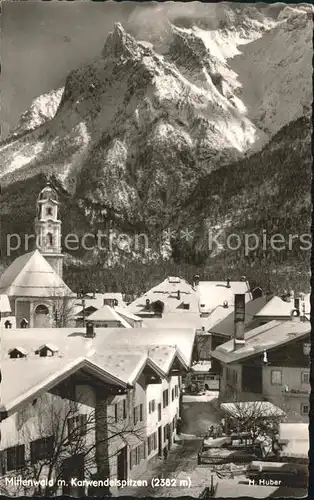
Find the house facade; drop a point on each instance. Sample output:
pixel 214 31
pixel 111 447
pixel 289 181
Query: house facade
pixel 271 364
pixel 122 402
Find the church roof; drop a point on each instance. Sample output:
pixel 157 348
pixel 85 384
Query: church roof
pixel 48 193
pixel 32 276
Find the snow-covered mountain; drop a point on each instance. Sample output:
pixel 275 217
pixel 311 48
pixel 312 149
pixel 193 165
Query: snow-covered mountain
pixel 136 130
pixel 42 109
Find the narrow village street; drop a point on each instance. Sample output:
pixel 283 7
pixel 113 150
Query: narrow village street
pixel 182 459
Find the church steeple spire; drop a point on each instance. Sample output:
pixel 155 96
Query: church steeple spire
pixel 48 227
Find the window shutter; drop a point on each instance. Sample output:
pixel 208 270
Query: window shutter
pixel 2 462
pixel 83 424
pixel 70 428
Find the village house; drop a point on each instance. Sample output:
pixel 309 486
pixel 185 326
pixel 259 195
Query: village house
pixel 89 303
pixel 134 379
pixel 114 317
pixel 270 362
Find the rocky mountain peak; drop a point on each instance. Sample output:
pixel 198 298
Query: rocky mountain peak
pixel 119 43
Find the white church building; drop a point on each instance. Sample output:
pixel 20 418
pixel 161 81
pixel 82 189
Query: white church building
pixel 33 282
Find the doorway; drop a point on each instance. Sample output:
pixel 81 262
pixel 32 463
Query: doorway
pixel 160 441
pixel 41 317
pixel 122 464
pixel 73 467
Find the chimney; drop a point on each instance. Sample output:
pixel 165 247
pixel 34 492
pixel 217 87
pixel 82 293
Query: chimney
pixel 295 315
pixel 268 295
pixel 239 319
pixel 178 295
pixel 94 294
pixel 297 303
pixel 147 306
pixel 196 280
pixel 90 332
pixel 228 282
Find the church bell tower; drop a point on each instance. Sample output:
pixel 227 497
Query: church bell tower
pixel 48 228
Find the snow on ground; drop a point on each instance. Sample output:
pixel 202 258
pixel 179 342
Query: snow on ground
pixel 199 412
pixel 200 398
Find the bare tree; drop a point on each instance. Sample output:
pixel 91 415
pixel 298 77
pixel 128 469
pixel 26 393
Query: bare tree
pixel 261 422
pixel 56 432
pixel 201 348
pixel 64 309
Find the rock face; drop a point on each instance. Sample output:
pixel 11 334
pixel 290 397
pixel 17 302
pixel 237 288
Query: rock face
pixel 132 134
pixel 41 111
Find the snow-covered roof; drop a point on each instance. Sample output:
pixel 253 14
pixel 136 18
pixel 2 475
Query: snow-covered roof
pixel 19 349
pixel 32 276
pixel 213 294
pixel 225 326
pixel 295 439
pixel 125 313
pixel 24 380
pixel 202 366
pixel 107 313
pixel 265 337
pixel 167 292
pixel 50 347
pixel 277 307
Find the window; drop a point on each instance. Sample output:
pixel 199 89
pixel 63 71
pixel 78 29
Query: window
pixel 135 415
pixel 116 413
pixel 304 409
pixel 159 412
pixel 152 406
pixel 41 449
pixel 124 408
pixel 77 426
pixel 141 413
pixel 15 457
pixel 134 457
pixel 172 394
pixel 165 398
pixel 151 443
pixel 48 211
pixel 142 452
pixel 165 433
pixel 50 239
pixel 276 377
pixel 305 378
pixel 231 376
